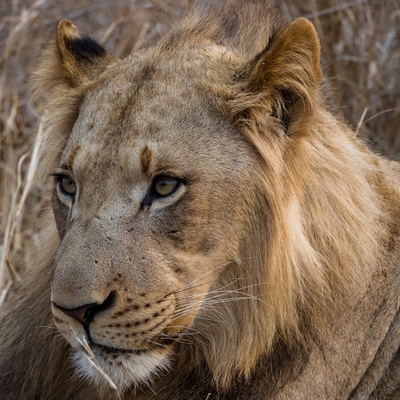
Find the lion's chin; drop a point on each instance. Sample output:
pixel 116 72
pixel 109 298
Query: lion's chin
pixel 124 369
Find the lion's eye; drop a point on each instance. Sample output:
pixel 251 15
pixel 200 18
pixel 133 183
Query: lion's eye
pixel 67 186
pixel 165 185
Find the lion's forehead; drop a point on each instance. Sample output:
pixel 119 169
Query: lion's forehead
pixel 142 92
pixel 129 109
pixel 117 111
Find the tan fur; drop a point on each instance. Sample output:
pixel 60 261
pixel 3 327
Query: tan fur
pixel 271 272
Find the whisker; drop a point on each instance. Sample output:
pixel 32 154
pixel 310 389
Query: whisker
pixel 225 286
pixel 224 291
pixel 152 342
pixel 189 285
pixel 173 337
pixel 219 298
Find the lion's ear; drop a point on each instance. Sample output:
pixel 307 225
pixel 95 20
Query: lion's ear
pixel 79 59
pixel 68 64
pixel 284 78
pixel 70 61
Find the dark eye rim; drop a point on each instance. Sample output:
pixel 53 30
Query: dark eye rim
pixel 176 180
pixel 59 178
pixel 152 193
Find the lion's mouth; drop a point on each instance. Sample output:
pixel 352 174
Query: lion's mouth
pixel 117 350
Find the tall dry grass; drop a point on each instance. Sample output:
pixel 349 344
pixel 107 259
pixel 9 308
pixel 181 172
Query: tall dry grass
pixel 361 52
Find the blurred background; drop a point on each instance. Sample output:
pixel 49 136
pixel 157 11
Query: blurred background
pixel 361 56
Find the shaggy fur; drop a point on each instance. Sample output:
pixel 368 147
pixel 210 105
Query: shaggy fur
pixel 272 271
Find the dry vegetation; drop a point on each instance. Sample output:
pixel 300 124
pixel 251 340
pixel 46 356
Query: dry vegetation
pixel 361 52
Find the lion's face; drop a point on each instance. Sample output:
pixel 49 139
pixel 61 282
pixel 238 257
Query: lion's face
pixel 148 206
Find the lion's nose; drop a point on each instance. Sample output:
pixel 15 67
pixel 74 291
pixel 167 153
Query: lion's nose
pixel 85 314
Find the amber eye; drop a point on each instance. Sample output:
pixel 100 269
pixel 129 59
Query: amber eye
pixel 165 185
pixel 67 186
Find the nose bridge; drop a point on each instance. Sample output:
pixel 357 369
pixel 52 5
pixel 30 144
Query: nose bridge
pixel 83 269
pixel 108 217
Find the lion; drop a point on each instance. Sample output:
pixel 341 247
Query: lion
pixel 215 233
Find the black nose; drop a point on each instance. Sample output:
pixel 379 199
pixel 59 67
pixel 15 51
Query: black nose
pixel 85 314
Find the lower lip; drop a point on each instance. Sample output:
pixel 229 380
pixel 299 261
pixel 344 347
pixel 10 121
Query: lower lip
pixel 113 350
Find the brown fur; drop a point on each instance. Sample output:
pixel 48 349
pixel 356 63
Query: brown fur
pixel 271 272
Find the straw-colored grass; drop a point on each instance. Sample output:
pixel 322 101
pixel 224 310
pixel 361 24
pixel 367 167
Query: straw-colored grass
pixel 361 52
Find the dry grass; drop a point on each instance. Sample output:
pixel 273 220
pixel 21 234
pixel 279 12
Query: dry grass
pixel 361 49
pixel 90 356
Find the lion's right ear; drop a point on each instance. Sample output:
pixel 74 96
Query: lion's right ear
pixel 71 60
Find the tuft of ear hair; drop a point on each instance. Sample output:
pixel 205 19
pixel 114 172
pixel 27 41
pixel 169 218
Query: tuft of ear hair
pixel 81 59
pixel 283 79
pixel 69 63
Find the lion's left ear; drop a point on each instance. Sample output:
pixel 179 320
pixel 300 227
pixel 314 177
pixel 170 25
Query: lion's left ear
pixel 80 59
pixel 70 61
pixel 68 65
pixel 283 79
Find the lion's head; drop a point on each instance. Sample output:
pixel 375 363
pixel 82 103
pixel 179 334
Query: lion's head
pixel 199 197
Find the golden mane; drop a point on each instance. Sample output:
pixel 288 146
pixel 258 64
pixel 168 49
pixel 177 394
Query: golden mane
pixel 325 219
